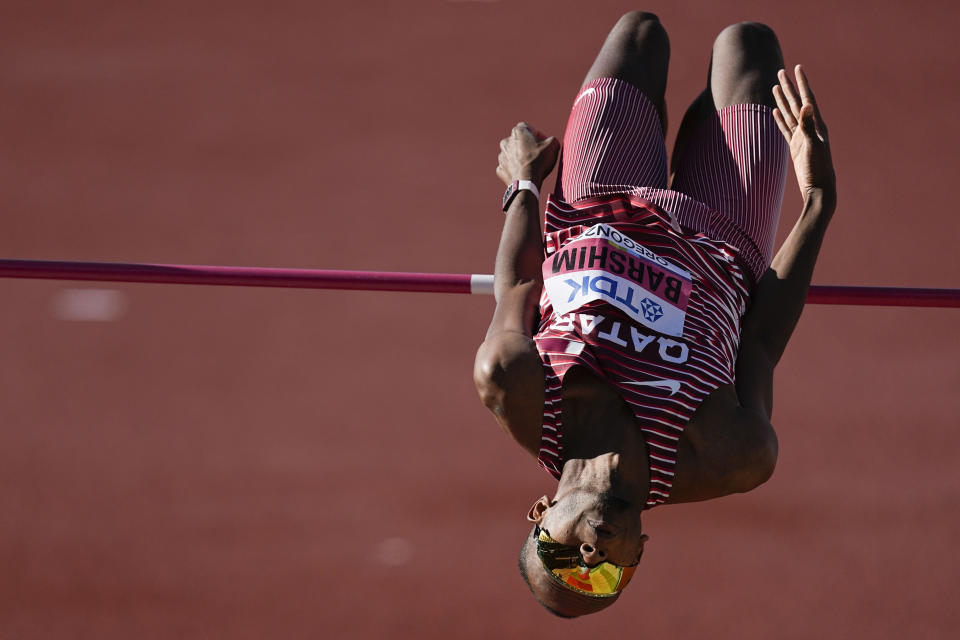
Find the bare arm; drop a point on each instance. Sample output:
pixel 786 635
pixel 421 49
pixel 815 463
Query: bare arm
pixel 507 371
pixel 730 446
pixel 724 449
pixel 780 295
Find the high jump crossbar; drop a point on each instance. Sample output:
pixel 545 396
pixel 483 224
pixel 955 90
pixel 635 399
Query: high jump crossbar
pixel 394 281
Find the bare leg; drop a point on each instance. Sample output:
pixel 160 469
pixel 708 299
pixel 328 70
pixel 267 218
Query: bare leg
pixel 637 50
pixel 743 70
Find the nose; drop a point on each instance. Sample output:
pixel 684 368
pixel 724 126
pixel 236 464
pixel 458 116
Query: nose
pixel 592 554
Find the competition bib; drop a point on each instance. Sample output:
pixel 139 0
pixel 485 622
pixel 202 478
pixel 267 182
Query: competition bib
pixel 603 264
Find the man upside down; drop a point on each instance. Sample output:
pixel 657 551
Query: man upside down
pixel 634 339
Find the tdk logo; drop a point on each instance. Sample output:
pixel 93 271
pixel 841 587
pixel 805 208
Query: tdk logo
pixel 651 310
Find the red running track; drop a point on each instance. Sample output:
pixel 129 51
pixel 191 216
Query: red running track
pixel 226 462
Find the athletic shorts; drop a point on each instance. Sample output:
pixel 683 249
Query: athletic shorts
pixel 729 182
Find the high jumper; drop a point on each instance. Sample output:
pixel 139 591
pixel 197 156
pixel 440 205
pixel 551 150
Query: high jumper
pixel 634 339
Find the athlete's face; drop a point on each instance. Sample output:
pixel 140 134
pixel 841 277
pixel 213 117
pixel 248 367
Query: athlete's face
pixel 601 526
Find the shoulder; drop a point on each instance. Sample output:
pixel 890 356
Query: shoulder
pixel 508 375
pixel 726 448
pixel 748 438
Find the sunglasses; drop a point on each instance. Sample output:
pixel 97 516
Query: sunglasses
pixel 565 564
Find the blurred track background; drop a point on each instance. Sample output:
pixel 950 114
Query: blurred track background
pixel 182 462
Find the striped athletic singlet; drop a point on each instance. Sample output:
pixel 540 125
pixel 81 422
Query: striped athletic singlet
pixel 653 311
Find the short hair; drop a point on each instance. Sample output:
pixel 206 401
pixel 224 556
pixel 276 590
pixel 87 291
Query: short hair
pixel 582 603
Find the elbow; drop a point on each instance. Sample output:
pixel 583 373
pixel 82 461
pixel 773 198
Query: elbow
pixel 487 379
pixel 763 458
pixel 767 462
pixel 758 463
pixel 506 365
pixel 492 371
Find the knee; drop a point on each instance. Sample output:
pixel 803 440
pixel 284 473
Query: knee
pixel 635 19
pixel 753 39
pixel 640 26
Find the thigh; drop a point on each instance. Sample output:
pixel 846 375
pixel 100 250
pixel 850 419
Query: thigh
pixel 743 70
pixel 614 136
pixel 729 153
pixel 744 64
pixel 637 51
pixel 736 163
pixel 613 143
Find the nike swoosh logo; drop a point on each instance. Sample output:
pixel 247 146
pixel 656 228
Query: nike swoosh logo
pixel 583 95
pixel 669 385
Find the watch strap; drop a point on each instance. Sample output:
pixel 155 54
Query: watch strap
pixel 516 187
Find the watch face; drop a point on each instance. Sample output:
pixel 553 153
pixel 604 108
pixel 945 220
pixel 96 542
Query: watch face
pixel 507 195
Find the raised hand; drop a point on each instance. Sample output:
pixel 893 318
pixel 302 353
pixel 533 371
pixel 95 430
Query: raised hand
pixel 800 121
pixel 526 155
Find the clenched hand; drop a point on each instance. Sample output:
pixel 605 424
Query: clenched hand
pixel 526 155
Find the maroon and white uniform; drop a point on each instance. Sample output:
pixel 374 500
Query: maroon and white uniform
pixel 728 183
pixel 645 286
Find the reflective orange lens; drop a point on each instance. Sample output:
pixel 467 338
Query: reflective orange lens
pixel 566 565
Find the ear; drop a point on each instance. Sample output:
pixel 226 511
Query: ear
pixel 643 540
pixel 538 510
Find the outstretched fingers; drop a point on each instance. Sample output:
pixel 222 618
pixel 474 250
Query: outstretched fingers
pixel 790 103
pixel 806 94
pixel 790 93
pixel 781 124
pixel 783 114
